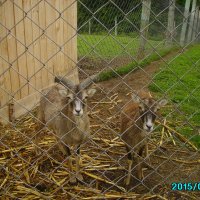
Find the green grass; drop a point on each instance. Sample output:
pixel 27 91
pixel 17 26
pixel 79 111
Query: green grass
pixel 107 46
pixel 122 70
pixel 180 80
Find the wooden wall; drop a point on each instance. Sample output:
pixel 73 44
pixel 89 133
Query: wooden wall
pixel 37 41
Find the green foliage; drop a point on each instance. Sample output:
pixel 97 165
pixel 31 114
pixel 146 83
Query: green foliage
pixel 180 80
pixel 102 15
pixel 182 2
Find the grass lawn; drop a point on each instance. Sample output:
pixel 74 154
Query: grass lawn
pixel 122 70
pixel 107 46
pixel 180 80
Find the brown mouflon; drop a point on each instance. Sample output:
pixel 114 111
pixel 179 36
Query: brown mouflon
pixel 137 121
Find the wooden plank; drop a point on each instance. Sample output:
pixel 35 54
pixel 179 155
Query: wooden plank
pixel 6 84
pixel 36 45
pixel 198 26
pixel 3 90
pixel 54 36
pixel 4 76
pixel 26 105
pixel 21 107
pixel 59 32
pixel 170 26
pixel 145 16
pixel 28 41
pixel 70 15
pixel 74 48
pixel 22 62
pixel 12 49
pixel 191 23
pixel 185 22
pixel 43 43
pixel 1 61
pixel 4 118
pixel 194 32
pixel 59 68
pixel 50 18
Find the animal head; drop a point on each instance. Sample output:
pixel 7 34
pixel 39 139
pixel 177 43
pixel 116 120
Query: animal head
pixel 148 110
pixel 77 94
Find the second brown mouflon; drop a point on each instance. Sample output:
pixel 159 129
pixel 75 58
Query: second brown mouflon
pixel 137 121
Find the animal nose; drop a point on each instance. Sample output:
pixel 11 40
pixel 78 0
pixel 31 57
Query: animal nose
pixel 149 126
pixel 78 111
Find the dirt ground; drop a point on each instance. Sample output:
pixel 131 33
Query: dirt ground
pixel 23 175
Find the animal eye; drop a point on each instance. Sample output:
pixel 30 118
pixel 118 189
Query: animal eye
pixel 70 96
pixel 157 109
pixel 141 108
pixel 86 97
pixel 71 103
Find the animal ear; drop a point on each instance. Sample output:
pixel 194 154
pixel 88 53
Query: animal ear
pixel 70 95
pixel 65 93
pixel 91 92
pixel 136 98
pixel 141 105
pixel 161 103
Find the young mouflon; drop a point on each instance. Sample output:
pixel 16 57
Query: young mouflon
pixel 63 109
pixel 137 121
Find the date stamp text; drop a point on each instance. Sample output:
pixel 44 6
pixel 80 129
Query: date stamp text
pixel 193 186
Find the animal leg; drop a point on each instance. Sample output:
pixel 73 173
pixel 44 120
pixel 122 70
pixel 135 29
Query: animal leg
pixel 147 158
pixel 39 127
pixel 72 176
pixel 139 168
pixel 78 159
pixel 139 162
pixel 146 150
pixel 130 163
pixel 66 152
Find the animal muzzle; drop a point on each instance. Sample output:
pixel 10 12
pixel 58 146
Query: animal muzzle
pixel 78 112
pixel 78 108
pixel 148 128
pixel 148 125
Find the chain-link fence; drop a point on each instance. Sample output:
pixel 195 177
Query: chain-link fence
pixel 56 144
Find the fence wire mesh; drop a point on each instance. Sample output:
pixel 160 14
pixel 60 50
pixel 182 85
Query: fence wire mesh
pixel 133 48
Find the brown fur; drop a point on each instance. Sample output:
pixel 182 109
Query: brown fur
pixel 55 112
pixel 132 133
